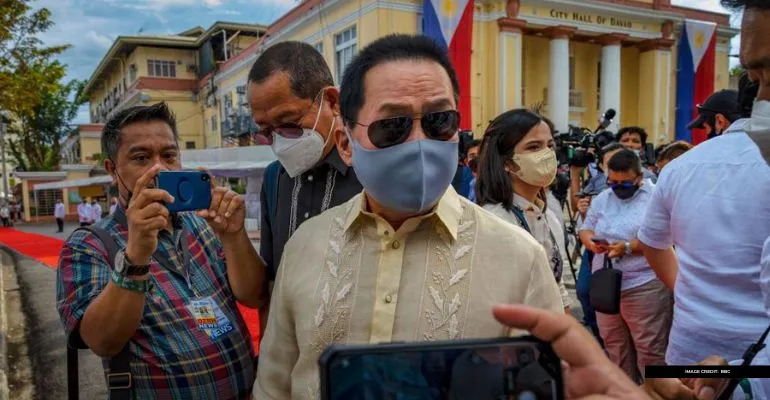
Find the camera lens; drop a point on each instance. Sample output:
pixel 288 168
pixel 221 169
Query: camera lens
pixel 205 178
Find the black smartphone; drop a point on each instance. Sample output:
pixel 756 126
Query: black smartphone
pixel 522 368
pixel 582 195
pixel 600 241
pixel 191 189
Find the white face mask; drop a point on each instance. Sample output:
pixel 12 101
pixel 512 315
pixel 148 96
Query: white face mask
pixel 760 117
pixel 299 155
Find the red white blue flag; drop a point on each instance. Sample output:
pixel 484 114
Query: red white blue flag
pixel 695 76
pixel 450 24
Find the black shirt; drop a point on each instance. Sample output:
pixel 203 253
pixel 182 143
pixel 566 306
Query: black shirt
pixel 327 185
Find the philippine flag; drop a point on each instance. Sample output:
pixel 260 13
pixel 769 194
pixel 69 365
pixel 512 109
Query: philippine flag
pixel 695 78
pixel 450 24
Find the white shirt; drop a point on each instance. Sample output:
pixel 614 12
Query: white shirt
pixel 760 388
pixel 541 224
pixel 113 207
pixel 711 203
pixel 96 212
pixel 85 212
pixel 58 211
pixel 618 220
pixel 4 213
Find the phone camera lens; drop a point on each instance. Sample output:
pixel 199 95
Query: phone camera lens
pixel 205 178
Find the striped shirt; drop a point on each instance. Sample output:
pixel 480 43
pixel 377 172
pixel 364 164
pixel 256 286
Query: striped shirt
pixel 172 357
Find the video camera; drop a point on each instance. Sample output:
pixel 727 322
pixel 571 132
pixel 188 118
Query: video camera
pixel 574 147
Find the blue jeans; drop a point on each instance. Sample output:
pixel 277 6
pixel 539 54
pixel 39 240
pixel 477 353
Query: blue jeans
pixel 583 289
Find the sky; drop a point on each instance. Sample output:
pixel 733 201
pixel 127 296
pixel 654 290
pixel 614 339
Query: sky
pixel 90 26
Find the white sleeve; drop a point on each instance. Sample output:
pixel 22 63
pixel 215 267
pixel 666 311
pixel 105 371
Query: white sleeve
pixel 655 230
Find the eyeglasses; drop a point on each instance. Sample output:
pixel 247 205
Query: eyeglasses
pixel 288 130
pixel 442 125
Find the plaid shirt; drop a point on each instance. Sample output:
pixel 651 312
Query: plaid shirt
pixel 173 358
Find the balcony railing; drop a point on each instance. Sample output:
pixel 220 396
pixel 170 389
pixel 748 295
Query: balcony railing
pixel 575 98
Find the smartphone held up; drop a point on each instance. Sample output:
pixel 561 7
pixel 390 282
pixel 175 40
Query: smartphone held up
pixel 191 189
pixel 509 368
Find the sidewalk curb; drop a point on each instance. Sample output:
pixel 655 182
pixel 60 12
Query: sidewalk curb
pixel 6 256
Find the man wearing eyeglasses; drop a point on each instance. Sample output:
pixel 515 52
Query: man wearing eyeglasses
pixel 296 106
pixel 719 111
pixel 408 259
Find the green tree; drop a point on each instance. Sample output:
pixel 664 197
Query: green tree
pixel 26 70
pixel 39 133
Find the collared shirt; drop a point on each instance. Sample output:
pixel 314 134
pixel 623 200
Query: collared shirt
pixel 172 357
pixel 545 228
pixel 710 203
pixel 597 183
pixel 617 220
pixel 759 388
pixel 96 212
pixel 59 211
pixel 85 212
pixel 329 184
pixel 348 277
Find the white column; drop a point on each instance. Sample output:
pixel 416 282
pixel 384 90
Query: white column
pixel 510 73
pixel 558 88
pixel 610 88
pixel 518 68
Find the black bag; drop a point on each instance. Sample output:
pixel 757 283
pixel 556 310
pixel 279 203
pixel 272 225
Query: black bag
pixel 119 377
pixel 605 289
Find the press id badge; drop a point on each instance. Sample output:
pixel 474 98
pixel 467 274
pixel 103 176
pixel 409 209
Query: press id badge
pixel 210 318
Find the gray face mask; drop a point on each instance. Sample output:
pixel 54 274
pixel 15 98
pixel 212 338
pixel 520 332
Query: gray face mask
pixel 409 177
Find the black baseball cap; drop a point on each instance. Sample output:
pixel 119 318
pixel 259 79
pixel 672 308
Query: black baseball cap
pixel 722 102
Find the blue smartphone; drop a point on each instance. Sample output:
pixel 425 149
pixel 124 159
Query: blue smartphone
pixel 191 189
pixel 522 368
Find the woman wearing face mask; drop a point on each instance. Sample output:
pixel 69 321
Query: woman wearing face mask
pixel 516 165
pixel 638 335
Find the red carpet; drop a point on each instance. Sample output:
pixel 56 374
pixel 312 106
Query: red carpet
pixel 40 247
pixel 46 250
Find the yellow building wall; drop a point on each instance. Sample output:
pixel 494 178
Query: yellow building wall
pixel 213 136
pixel 187 57
pixel 587 58
pixel 722 71
pixel 629 82
pixel 537 66
pixel 88 147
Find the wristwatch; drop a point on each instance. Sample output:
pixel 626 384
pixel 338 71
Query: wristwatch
pixel 127 283
pixel 124 267
pixel 629 250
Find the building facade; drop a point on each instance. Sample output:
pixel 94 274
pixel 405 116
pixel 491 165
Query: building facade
pixel 150 69
pixel 574 59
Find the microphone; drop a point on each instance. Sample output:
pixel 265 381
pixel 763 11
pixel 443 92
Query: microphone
pixel 606 120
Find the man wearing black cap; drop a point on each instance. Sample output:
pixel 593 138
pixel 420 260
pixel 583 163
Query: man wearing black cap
pixel 719 111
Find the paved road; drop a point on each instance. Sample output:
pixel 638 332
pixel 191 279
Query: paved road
pixel 45 340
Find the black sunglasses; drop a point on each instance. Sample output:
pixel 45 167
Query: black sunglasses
pixel 442 125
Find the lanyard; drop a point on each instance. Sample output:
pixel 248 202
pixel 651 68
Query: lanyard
pixel 556 262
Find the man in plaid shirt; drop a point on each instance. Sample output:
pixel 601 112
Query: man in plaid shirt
pixel 171 295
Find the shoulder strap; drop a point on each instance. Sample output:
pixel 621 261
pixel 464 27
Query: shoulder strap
pixel 119 380
pixel 748 357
